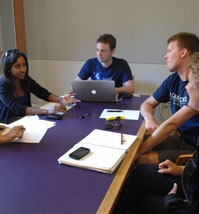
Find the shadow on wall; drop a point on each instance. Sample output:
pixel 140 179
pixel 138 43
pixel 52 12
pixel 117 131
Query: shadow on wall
pixel 145 88
pixel 163 111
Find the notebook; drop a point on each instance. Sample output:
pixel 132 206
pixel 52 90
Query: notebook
pixel 57 115
pixel 94 90
pixel 107 150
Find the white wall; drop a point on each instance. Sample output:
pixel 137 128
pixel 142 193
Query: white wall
pixel 56 75
pixel 7 25
pixel 67 29
pixel 59 40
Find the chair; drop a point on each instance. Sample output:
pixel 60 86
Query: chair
pixel 181 160
pixel 163 112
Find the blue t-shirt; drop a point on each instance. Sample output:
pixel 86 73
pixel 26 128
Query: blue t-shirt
pixel 173 90
pixel 119 71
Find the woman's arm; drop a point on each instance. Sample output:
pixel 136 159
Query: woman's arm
pixel 16 131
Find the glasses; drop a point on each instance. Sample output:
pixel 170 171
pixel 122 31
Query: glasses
pixel 115 124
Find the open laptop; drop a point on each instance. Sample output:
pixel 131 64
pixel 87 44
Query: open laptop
pixel 94 90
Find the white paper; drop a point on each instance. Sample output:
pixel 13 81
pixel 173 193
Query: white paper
pixel 109 139
pixel 128 114
pixel 100 158
pixel 35 129
pixel 106 151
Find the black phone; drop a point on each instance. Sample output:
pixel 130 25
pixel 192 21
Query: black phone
pixel 79 153
pixel 56 116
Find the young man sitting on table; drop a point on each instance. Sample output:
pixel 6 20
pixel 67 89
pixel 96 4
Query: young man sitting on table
pixel 107 67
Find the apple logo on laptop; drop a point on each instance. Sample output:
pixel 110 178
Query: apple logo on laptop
pixel 93 91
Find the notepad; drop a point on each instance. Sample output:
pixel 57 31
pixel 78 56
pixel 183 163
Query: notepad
pixel 51 105
pixel 35 129
pixel 106 151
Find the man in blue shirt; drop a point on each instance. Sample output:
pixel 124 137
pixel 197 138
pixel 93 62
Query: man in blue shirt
pixel 107 67
pixel 180 47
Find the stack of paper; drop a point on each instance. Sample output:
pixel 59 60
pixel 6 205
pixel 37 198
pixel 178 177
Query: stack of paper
pixel 50 106
pixel 106 151
pixel 35 129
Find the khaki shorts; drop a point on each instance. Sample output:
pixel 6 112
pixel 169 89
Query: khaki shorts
pixel 172 147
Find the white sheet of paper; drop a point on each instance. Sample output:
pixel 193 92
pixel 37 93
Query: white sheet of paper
pixel 128 114
pixel 35 128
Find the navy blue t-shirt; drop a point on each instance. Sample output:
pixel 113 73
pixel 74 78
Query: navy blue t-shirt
pixel 119 71
pixel 173 90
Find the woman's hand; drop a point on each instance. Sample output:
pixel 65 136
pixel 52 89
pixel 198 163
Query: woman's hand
pixel 16 131
pixel 174 189
pixel 69 99
pixel 168 167
pixel 58 108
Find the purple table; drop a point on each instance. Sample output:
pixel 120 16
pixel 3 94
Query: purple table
pixel 32 181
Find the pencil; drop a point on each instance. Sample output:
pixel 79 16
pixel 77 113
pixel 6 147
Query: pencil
pixel 122 139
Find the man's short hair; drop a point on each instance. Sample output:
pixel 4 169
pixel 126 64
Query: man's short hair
pixel 186 40
pixel 107 39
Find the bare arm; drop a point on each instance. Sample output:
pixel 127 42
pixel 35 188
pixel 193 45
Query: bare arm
pixel 60 107
pixel 147 111
pixel 128 87
pixel 167 127
pixel 38 111
pixel 54 98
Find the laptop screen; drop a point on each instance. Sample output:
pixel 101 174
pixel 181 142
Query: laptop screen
pixel 94 90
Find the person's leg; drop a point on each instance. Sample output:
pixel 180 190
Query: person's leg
pixel 151 204
pixel 148 158
pixel 153 156
pixel 174 147
pixel 171 148
pixel 145 181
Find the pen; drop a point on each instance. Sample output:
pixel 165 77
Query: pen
pixel 122 139
pixel 114 110
pixel 85 115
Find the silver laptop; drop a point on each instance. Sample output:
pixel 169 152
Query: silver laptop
pixel 94 90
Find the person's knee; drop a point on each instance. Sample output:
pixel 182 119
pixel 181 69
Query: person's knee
pixel 150 158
